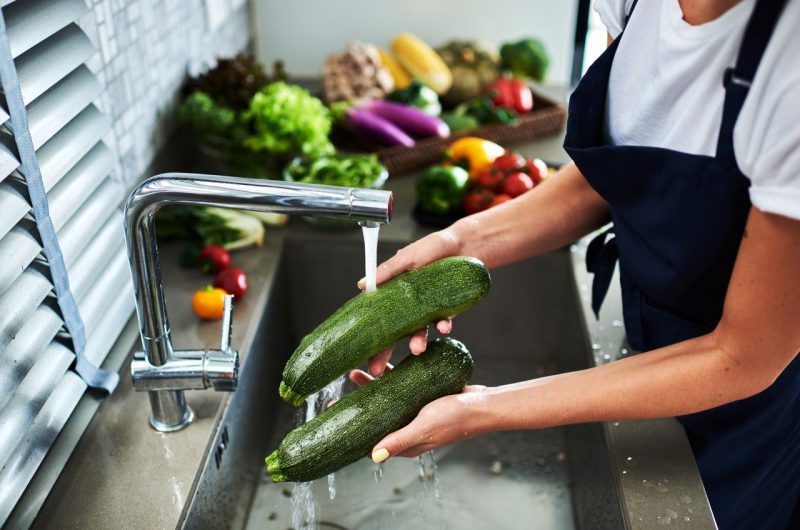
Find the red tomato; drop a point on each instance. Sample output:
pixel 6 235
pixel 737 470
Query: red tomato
pixel 516 184
pixel 232 281
pixel 490 178
pixel 536 169
pixel 213 258
pixel 509 162
pixel 477 201
pixel 499 199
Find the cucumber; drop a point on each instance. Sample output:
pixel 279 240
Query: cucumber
pixel 350 428
pixel 372 322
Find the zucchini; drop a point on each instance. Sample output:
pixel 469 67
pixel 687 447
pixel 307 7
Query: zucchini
pixel 350 428
pixel 372 322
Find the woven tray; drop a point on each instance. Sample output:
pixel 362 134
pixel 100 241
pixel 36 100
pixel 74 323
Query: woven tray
pixel 548 117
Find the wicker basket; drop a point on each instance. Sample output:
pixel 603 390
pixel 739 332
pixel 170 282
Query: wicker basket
pixel 548 117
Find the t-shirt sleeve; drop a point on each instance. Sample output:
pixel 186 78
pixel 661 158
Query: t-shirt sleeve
pixel 612 14
pixel 767 135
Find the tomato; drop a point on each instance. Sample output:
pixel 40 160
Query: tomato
pixel 233 281
pixel 490 178
pixel 477 201
pixel 509 162
pixel 536 169
pixel 208 303
pixel 213 258
pixel 516 184
pixel 499 199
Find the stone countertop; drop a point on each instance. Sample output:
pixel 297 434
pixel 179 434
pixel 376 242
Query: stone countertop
pixel 123 474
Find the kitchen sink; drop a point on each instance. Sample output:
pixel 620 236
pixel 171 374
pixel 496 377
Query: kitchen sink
pixel 530 325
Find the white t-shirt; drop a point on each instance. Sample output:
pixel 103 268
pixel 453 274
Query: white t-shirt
pixel 666 91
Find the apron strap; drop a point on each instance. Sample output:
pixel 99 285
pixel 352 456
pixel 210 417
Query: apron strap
pixel 601 258
pixel 737 79
pixel 630 12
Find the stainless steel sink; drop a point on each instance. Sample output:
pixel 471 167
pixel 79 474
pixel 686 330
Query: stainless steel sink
pixel 530 325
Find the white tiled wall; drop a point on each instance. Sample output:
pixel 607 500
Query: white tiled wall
pixel 145 49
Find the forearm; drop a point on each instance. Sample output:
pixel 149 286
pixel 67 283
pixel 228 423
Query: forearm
pixel 555 213
pixel 687 377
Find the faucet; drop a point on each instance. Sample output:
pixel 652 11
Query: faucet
pixel 166 373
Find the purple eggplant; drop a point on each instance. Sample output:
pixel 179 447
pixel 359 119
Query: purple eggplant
pixel 377 128
pixel 411 120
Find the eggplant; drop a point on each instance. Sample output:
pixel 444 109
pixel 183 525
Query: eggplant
pixel 409 119
pixel 377 128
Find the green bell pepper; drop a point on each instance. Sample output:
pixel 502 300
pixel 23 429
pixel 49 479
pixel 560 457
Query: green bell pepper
pixel 441 189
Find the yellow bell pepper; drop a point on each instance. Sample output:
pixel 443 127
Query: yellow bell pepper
pixel 475 154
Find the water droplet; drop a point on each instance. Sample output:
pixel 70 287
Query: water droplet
pixel 606 357
pixel 629 458
pixel 617 323
pixel 624 351
pixel 573 248
pixel 615 424
pixel 663 520
pixel 686 518
pixel 624 471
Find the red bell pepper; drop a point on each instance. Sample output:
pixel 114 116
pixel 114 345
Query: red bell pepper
pixel 511 93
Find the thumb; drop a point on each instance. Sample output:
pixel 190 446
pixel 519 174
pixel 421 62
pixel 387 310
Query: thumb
pixel 394 444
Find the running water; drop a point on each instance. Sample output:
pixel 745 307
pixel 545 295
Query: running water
pixel 427 473
pixel 305 510
pixel 329 394
pixel 370 254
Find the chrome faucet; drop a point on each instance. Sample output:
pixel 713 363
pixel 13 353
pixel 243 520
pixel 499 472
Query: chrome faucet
pixel 162 371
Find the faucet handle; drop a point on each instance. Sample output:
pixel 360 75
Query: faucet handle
pixel 227 324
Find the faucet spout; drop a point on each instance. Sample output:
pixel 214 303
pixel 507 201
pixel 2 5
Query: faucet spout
pixel 159 369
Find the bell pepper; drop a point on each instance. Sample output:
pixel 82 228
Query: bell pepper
pixel 474 154
pixel 440 189
pixel 511 93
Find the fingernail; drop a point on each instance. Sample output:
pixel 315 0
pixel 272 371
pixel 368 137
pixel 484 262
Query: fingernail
pixel 380 455
pixel 362 280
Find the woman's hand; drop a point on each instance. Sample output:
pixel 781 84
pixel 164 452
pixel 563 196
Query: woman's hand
pixel 441 422
pixel 430 248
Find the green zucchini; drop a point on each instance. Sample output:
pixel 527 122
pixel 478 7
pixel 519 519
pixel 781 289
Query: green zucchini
pixel 372 322
pixel 350 428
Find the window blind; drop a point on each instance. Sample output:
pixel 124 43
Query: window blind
pixel 40 384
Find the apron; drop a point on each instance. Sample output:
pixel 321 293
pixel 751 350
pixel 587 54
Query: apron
pixel 678 219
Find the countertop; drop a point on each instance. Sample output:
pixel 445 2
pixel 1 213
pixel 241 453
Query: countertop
pixel 123 474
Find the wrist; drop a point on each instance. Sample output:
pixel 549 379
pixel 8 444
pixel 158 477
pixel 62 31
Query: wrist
pixel 481 416
pixel 462 235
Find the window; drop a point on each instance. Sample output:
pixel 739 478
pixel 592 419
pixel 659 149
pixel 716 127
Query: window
pixel 64 279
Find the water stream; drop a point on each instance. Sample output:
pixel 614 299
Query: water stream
pixel 305 510
pixel 370 254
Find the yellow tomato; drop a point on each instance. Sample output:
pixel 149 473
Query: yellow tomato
pixel 208 303
pixel 477 152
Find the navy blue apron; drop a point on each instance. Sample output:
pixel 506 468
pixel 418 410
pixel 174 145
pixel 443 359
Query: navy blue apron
pixel 678 220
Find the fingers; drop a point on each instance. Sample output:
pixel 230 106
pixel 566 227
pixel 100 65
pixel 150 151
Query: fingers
pixel 445 326
pixel 430 248
pixel 396 443
pixel 377 363
pixel 419 341
pixel 359 377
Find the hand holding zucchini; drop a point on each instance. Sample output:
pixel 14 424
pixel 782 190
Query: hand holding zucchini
pixel 372 322
pixel 349 429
